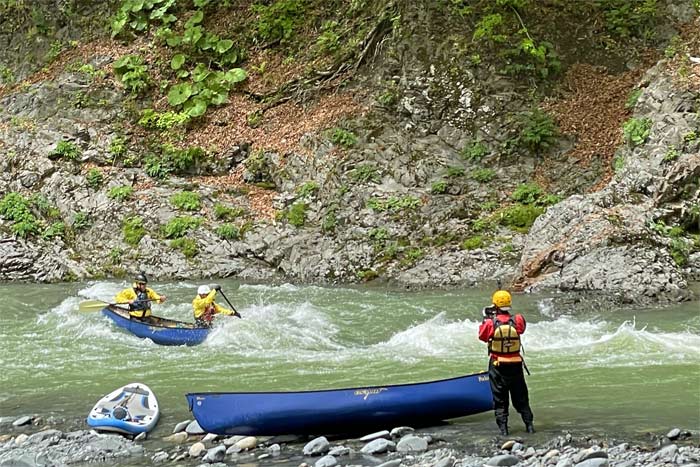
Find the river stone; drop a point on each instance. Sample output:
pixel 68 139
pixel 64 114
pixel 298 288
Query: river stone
pixel 399 431
pixel 326 461
pixel 181 426
pixel 378 446
pixel 594 462
pixel 159 457
pixel 339 451
pixel 249 442
pixel 21 438
pixel 412 444
pixel 233 440
pixel 673 434
pixel 22 421
pixel 666 454
pixel 503 459
pixel 210 437
pixel 197 449
pixel 316 446
pixel 193 428
pixel 391 463
pixel 508 445
pixel 215 454
pixel 445 462
pixel 589 454
pixel 566 462
pixel 377 435
pixel 177 438
pixel 43 435
pixel 141 436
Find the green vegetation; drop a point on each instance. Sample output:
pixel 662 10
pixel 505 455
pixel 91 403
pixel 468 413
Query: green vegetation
pixel 633 98
pixel 65 150
pixel 132 72
pixel 178 226
pixel 672 154
pixel 454 172
pixel 278 21
pixel 81 221
pixel 520 217
pixel 187 246
pixel 172 160
pixel 483 175
pixel 16 208
pixel 121 193
pixel 133 230
pixel 228 232
pixel 163 121
pixel 308 189
pixel 297 214
pixel 475 151
pixel 365 173
pixel 473 243
pixel 629 18
pixel 94 178
pixel 342 137
pixel 186 200
pixel 538 130
pixel 229 213
pixel 56 229
pixel 636 130
pixel 439 187
pixel 394 204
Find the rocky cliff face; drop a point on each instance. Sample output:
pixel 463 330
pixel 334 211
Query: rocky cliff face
pixel 426 169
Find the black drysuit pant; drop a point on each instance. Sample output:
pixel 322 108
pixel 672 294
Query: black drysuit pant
pixel 509 379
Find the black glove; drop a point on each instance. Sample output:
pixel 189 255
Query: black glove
pixel 215 286
pixel 488 311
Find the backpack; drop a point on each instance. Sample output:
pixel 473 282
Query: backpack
pixel 506 339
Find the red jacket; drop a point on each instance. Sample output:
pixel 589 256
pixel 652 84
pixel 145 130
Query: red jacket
pixel 486 328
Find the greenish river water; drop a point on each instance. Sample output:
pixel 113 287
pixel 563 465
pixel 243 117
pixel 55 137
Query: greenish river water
pixel 622 373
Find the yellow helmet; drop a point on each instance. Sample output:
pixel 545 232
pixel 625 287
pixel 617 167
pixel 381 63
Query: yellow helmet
pixel 501 299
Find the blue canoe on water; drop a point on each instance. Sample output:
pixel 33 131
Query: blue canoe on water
pixel 341 411
pixel 162 331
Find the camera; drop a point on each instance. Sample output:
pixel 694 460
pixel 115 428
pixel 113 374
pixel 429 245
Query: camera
pixel 488 311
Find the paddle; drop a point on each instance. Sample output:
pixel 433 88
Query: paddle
pixel 97 305
pixel 237 314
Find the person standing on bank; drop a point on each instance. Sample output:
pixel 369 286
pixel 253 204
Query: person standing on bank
pixel 502 331
pixel 204 307
pixel 139 297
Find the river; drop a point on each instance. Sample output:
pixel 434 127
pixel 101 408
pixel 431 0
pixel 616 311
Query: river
pixel 623 373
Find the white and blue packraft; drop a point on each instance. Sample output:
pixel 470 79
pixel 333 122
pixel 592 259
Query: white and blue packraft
pixel 131 409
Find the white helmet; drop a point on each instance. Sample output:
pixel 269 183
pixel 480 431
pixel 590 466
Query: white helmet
pixel 203 290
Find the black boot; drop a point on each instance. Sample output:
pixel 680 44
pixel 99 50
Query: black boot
pixel 529 427
pixel 503 427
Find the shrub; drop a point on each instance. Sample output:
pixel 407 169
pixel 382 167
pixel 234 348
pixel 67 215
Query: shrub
pixel 453 172
pixel 520 217
pixel 133 230
pixel 365 173
pixel 57 229
pixel 187 246
pixel 131 71
pixel 187 200
pixel 81 221
pixel 277 21
pixel 121 193
pixel 527 193
pixel 297 214
pixel 474 151
pixel 228 231
pixel 473 243
pixel 65 150
pixel 636 130
pixel 307 189
pixel 394 204
pixel 343 138
pixel 439 187
pixel 633 98
pixel 94 178
pixel 16 208
pixel 153 120
pixel 178 226
pixel 483 175
pixel 223 212
pixel 538 130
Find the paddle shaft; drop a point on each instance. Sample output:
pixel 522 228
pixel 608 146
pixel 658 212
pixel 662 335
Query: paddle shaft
pixel 229 303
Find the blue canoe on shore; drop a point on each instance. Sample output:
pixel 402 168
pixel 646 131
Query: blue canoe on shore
pixel 162 331
pixel 341 411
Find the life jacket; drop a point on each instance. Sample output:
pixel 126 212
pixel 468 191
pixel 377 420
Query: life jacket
pixel 505 343
pixel 140 304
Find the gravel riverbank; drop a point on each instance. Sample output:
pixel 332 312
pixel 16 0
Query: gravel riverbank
pixel 33 441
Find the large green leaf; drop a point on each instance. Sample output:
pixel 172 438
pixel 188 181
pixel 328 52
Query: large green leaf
pixel 195 19
pixel 236 75
pixel 200 72
pixel 196 108
pixel 177 61
pixel 179 94
pixel 223 45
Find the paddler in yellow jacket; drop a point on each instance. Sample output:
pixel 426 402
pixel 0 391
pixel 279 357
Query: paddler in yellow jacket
pixel 139 298
pixel 204 307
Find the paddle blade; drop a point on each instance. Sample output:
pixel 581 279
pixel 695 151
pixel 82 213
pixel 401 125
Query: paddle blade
pixel 92 305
